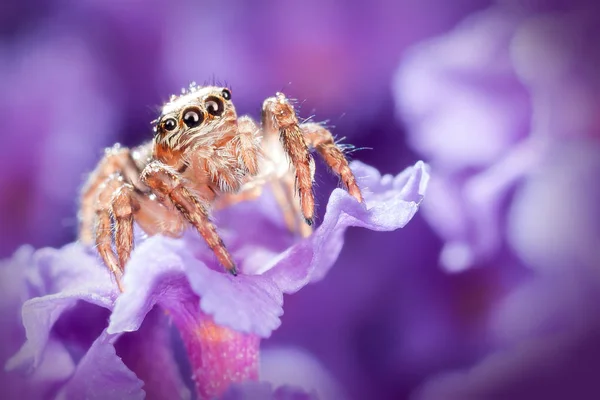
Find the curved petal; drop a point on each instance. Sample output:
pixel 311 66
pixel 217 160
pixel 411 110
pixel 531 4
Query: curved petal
pixel 148 353
pixel 102 375
pixel 294 367
pixel 164 271
pixel 70 275
pixel 390 202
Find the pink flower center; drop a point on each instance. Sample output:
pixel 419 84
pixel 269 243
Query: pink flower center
pixel 218 355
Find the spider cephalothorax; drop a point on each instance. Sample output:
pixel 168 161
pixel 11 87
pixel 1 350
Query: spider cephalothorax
pixel 204 157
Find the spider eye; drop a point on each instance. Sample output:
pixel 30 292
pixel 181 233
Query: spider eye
pixel 169 124
pixel 214 106
pixel 192 117
pixel 226 94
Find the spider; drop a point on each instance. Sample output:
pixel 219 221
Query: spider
pixel 203 157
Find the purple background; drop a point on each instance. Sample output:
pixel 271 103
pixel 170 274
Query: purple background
pixel 76 76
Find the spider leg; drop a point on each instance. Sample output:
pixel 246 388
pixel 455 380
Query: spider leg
pixel 286 206
pixel 116 160
pixel 128 205
pixel 322 140
pixel 247 144
pixel 170 187
pixel 103 226
pixel 245 147
pixel 118 205
pixel 123 205
pixel 279 116
pixel 228 199
pixel 283 191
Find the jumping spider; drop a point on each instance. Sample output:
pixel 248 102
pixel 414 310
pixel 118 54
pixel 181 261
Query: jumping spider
pixel 204 157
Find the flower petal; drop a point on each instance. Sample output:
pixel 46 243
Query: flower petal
pixel 390 202
pixel 148 353
pixel 165 271
pixel 296 368
pixel 264 391
pixel 552 350
pixel 464 108
pixel 69 274
pixel 102 375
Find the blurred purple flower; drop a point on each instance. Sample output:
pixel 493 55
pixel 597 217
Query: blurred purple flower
pixel 505 108
pixel 548 332
pixel 220 318
pixel 264 391
pixel 294 367
pixel 56 129
pixel 485 104
pixel 288 370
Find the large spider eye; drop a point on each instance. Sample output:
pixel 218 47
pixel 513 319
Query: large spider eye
pixel 169 124
pixel 214 106
pixel 226 94
pixel 192 117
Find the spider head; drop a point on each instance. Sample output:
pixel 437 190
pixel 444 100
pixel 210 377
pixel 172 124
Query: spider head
pixel 201 114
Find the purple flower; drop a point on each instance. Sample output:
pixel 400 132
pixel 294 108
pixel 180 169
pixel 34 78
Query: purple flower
pixel 220 318
pixel 486 104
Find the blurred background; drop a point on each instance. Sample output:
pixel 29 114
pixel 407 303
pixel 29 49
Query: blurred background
pixel 490 292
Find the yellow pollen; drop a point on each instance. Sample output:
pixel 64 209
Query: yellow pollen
pixel 208 330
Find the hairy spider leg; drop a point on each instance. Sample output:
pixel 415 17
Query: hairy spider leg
pixel 247 144
pixel 116 160
pixel 128 205
pixel 279 116
pixel 103 226
pixel 118 205
pixel 168 185
pixel 252 146
pixel 283 191
pixel 322 140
